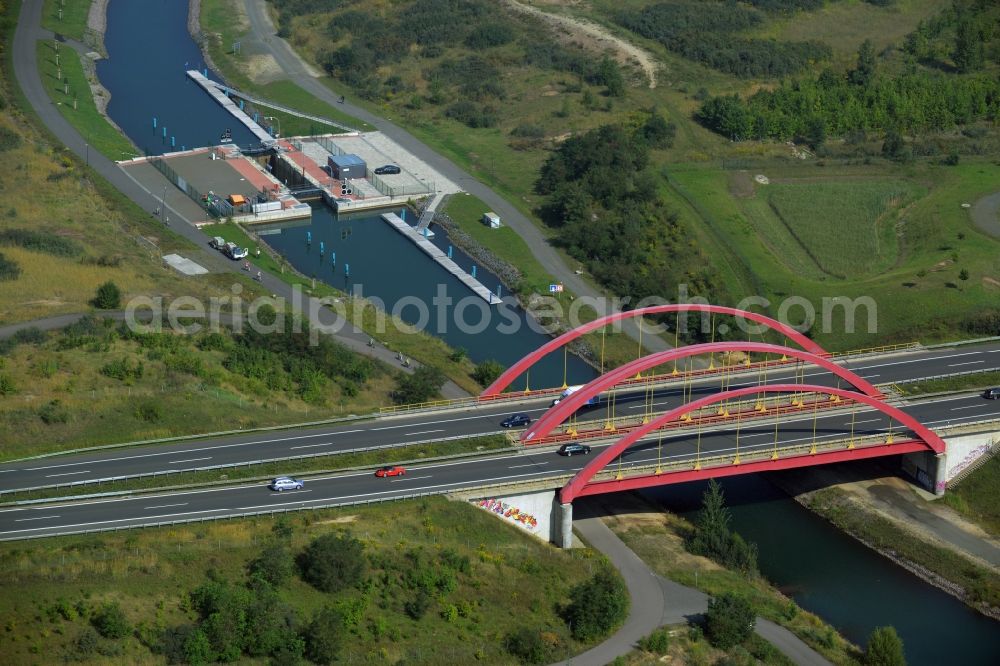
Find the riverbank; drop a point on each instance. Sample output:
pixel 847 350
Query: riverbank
pixel 657 536
pixel 880 511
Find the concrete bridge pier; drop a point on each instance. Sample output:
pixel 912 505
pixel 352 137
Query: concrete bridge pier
pixel 563 536
pixel 940 473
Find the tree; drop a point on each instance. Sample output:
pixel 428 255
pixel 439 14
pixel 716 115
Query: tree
pixel 969 53
pixel 712 525
pixel 893 146
pixel 421 386
pixel 110 621
pixel 108 297
pixel 325 636
pixel 864 71
pixel 815 133
pixel 274 565
pixel 885 648
pixel 332 562
pixel 597 605
pixel 963 275
pixel 197 648
pixel 729 620
pixel 657 132
pixel 487 372
pixel 611 76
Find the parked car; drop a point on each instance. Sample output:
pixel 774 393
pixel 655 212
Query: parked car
pixel 573 449
pixel 285 483
pixel 516 421
pixel 217 243
pixel 390 470
pixel 992 394
pixel 234 251
pixel 388 169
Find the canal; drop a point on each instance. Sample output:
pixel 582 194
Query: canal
pixel 826 571
pixel 840 579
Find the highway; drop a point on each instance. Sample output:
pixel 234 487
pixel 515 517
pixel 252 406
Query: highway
pixel 375 433
pixel 440 477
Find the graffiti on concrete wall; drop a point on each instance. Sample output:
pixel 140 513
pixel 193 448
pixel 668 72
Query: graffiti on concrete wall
pixel 507 511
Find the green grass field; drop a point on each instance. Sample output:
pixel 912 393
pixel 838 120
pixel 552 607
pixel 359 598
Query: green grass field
pixel 847 228
pixel 74 17
pixel 150 572
pixel 87 120
pixel 976 496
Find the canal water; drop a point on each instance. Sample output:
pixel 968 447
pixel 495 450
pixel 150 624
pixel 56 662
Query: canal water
pixel 826 571
pixel 387 266
pixel 149 51
pixel 843 581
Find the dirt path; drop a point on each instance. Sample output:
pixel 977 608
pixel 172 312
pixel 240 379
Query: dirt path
pixel 595 35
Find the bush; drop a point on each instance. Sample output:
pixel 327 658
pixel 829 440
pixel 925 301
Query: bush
pixel 472 115
pixel 7 385
pixel 325 636
pixel 108 297
pixel 729 620
pixel 331 562
pixel 885 648
pixel 110 621
pixel 149 411
pixel 657 642
pixel 421 386
pixel 38 241
pixel 597 606
pixel 53 412
pixel 123 370
pixel 9 269
pixel 417 607
pixel 274 564
pixel 9 139
pixel 487 372
pixel 86 643
pixel 526 644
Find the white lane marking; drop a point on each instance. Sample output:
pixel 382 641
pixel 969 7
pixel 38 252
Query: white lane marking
pixel 955 365
pixel 49 476
pixel 291 492
pixel 204 448
pixel 955 409
pixel 422 432
pixel 868 421
pixel 534 464
pixel 165 506
pixel 21 520
pixel 176 462
pixel 412 478
pixel 311 446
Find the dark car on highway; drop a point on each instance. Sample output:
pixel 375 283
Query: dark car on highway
pixel 388 169
pixel 992 394
pixel 516 421
pixel 573 449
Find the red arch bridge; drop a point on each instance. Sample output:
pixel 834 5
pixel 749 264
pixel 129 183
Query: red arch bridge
pixel 746 424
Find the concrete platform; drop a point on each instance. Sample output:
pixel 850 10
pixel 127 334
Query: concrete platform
pixel 184 265
pixel 437 255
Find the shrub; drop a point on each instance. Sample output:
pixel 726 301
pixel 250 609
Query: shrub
pixel 325 636
pixel 657 642
pixel 597 605
pixel 9 269
pixel 7 385
pixel 885 648
pixel 53 412
pixel 487 372
pixel 123 370
pixel 110 621
pixel 729 620
pixel 274 564
pixel 39 241
pixel 150 411
pixel 331 562
pixel 526 644
pixel 9 139
pixel 471 114
pixel 417 607
pixel 85 644
pixel 421 386
pixel 108 297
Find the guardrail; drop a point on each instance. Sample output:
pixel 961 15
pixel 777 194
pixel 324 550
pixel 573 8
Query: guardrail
pixel 246 463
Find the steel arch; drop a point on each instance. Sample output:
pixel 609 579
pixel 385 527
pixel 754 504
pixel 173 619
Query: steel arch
pixel 505 380
pixel 555 416
pixel 572 489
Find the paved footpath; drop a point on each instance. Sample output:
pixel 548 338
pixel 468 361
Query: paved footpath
pixel 657 602
pixel 26 35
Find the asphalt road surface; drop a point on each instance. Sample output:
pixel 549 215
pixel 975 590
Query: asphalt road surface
pixel 376 433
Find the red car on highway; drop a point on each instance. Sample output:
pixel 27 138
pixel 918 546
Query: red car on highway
pixel 390 470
